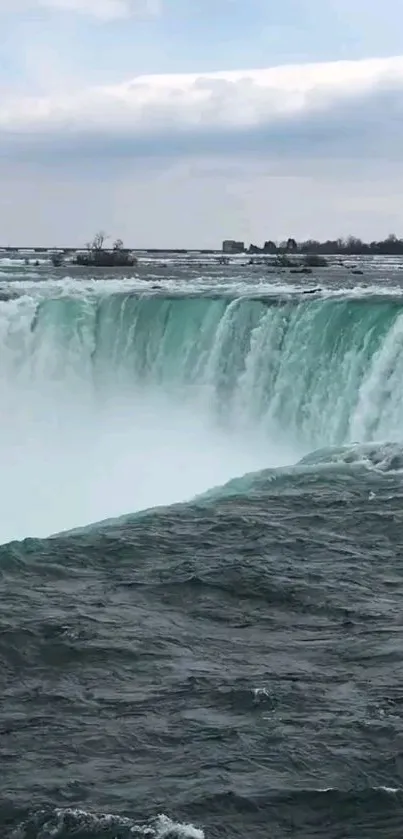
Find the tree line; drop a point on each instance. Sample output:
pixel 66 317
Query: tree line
pixel 390 246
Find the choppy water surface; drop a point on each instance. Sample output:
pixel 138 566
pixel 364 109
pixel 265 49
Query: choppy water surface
pixel 211 644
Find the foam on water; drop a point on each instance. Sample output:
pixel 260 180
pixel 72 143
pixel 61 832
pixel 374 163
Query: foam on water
pixel 69 821
pixel 237 285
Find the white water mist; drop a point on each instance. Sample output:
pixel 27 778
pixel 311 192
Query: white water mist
pixel 82 440
pixel 115 402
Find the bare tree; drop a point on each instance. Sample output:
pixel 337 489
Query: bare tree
pixel 98 241
pixel 118 245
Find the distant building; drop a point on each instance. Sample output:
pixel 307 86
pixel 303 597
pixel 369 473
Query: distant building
pixel 230 246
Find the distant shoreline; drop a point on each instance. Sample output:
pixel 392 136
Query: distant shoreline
pixel 22 250
pixel 352 246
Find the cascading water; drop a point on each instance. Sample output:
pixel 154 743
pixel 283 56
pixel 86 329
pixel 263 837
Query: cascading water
pixel 112 403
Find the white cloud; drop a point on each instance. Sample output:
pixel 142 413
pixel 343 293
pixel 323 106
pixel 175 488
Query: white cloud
pixel 186 160
pixel 283 110
pixel 103 9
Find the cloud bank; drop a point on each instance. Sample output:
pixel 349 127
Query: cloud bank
pixel 340 110
pixel 189 159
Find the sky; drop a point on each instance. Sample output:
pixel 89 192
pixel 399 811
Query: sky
pixel 179 123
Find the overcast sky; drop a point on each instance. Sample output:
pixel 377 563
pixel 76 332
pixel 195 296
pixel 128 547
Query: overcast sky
pixel 177 123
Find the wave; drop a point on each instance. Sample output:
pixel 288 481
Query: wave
pixel 328 464
pixel 63 823
pixel 122 400
pixel 375 809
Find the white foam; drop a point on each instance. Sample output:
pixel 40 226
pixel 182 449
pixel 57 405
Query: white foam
pixel 199 284
pixel 389 790
pixel 166 827
pixel 54 825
